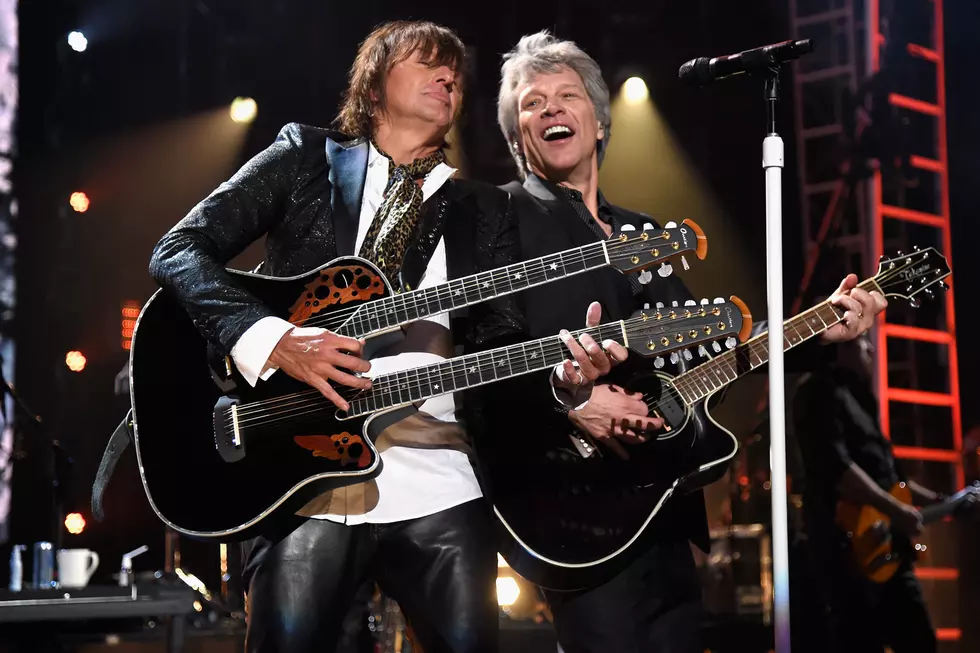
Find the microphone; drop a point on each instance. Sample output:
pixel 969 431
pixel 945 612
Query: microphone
pixel 703 70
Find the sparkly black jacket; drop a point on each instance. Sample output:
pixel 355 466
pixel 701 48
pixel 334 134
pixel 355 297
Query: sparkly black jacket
pixel 303 193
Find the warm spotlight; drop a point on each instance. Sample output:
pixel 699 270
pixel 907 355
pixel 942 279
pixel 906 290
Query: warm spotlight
pixel 77 41
pixel 635 90
pixel 79 201
pixel 507 591
pixel 243 110
pixel 75 360
pixel 75 523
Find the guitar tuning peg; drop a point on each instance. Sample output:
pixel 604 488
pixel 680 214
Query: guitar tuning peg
pixel 627 227
pixel 685 264
pixel 929 292
pixel 942 284
pixel 914 302
pixel 674 358
pixel 730 342
pixel 916 248
pixel 716 347
pixel 899 253
pixel 908 288
pixel 646 305
pixel 666 269
pixel 674 304
pixel 660 305
pixel 645 277
pixel 658 362
pixel 690 302
pixel 688 355
pixel 702 352
pixel 881 258
pixel 719 300
pixel 648 225
pixel 705 302
pixel 670 225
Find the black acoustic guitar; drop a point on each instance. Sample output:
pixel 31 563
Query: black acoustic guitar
pixel 226 465
pixel 570 512
pixel 177 389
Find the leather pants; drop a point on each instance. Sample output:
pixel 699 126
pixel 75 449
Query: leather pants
pixel 441 569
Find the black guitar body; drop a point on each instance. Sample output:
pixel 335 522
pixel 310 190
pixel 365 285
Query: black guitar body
pixel 574 520
pixel 200 479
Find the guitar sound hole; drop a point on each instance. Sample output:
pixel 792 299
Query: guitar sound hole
pixel 363 282
pixel 343 279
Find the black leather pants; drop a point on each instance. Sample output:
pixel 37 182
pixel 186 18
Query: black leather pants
pixel 441 569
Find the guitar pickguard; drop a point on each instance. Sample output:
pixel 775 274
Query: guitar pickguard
pixel 336 286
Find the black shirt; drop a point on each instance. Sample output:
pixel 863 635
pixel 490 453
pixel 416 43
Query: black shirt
pixel 606 214
pixel 835 415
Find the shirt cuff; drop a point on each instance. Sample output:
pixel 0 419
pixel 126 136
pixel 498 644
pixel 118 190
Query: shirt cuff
pixel 573 402
pixel 251 352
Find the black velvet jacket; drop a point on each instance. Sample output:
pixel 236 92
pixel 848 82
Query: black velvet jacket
pixel 303 193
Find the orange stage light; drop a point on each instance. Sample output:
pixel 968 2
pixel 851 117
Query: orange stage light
pixel 75 523
pixel 75 361
pixel 79 201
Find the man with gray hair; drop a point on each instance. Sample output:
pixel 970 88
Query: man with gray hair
pixel 554 112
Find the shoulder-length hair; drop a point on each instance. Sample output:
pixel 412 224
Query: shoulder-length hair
pixel 386 46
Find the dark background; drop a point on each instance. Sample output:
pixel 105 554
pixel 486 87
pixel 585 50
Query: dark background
pixel 152 62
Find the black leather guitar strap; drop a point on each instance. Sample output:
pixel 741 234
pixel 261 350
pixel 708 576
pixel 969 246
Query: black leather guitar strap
pixel 118 442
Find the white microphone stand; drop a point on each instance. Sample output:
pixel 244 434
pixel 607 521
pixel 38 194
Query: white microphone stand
pixel 772 163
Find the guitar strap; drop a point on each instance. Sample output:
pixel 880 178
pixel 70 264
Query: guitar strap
pixel 118 442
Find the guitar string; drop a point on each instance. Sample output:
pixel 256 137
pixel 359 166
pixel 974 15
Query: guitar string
pixel 593 251
pixel 385 386
pixel 390 383
pixel 549 342
pixel 688 382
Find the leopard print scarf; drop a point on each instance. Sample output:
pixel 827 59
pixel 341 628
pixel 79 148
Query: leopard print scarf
pixel 397 217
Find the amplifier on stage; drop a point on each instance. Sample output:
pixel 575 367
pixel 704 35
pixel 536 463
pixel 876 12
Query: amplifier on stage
pixel 736 577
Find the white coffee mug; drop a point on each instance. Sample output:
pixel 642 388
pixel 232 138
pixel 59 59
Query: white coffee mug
pixel 76 566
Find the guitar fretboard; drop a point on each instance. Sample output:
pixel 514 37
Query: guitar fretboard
pixel 709 377
pixel 407 307
pixel 461 373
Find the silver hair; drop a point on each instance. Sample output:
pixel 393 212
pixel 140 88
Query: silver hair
pixel 543 53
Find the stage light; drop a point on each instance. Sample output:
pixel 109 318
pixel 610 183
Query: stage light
pixel 635 90
pixel 75 523
pixel 75 361
pixel 507 591
pixel 243 109
pixel 79 201
pixel 77 41
pixel 130 311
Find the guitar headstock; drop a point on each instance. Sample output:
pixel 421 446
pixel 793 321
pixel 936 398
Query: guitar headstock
pixel 675 329
pixel 631 250
pixel 908 275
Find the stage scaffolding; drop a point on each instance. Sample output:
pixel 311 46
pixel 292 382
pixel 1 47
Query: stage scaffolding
pixel 872 159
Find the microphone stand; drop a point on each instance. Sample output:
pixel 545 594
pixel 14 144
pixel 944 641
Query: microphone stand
pixel 772 163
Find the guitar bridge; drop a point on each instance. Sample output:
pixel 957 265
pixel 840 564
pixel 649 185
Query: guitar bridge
pixel 228 438
pixel 585 448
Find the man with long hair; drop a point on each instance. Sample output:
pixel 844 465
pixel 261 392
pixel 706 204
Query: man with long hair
pixel 378 187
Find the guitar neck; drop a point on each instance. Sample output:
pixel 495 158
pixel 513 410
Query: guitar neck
pixel 408 307
pixel 464 372
pixel 712 376
pixel 939 511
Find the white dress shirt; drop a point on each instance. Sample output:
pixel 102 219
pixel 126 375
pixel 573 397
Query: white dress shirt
pixel 414 482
